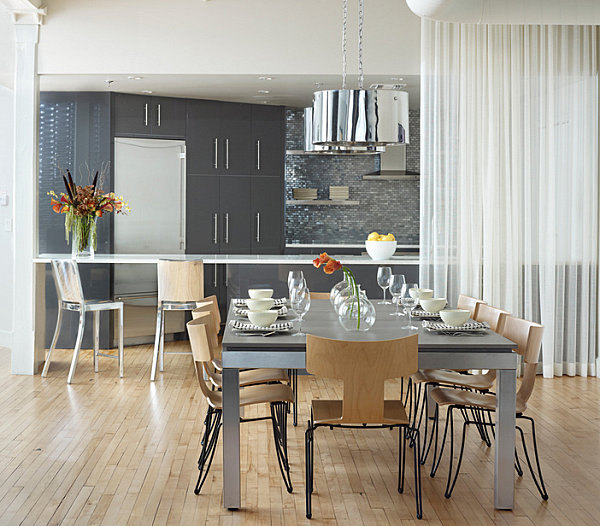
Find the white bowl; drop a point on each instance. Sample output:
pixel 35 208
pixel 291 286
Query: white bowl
pixel 259 304
pixel 455 317
pixel 379 250
pixel 433 304
pixel 422 294
pixel 262 318
pixel 260 293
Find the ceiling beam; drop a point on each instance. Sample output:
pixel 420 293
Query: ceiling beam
pixel 25 11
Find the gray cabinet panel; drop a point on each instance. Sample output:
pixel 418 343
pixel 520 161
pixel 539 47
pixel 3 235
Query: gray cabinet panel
pixel 236 136
pixel 203 215
pixel 267 215
pixel 203 130
pixel 236 215
pixel 168 117
pixel 268 140
pixel 132 115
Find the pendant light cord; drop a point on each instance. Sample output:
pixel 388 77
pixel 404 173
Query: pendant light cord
pixel 361 15
pixel 344 27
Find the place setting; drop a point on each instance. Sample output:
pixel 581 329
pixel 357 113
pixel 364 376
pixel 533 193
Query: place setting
pixel 257 315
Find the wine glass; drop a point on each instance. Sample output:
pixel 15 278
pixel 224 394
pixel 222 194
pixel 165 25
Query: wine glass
pixel 384 275
pixel 409 301
pixel 397 281
pixel 294 278
pixel 300 302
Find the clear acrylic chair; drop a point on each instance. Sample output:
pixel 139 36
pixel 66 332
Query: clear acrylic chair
pixel 70 297
pixel 181 288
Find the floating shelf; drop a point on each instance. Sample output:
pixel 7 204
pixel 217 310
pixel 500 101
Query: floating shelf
pixel 406 177
pixel 321 202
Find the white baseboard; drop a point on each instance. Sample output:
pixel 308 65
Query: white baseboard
pixel 6 338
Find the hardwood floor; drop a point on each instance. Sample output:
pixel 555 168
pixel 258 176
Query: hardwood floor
pixel 111 451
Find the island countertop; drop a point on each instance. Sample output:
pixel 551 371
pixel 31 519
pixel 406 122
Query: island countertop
pixel 232 259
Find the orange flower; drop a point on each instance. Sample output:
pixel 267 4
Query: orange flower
pixel 321 260
pixel 56 206
pixel 331 266
pixel 99 213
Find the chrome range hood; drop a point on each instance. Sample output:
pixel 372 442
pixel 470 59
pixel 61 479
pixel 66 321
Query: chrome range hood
pixel 309 147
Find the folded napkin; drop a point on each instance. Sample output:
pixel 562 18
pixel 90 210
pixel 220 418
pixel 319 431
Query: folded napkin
pixel 420 313
pixel 240 311
pixel 241 302
pixel 467 327
pixel 245 326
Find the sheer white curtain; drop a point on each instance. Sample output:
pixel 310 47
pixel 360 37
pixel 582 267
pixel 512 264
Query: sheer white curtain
pixel 509 189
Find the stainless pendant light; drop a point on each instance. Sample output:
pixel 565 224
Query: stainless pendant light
pixel 359 117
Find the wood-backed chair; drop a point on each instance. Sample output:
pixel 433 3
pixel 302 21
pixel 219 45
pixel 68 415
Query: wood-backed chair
pixel 70 297
pixel 278 396
pixel 363 367
pixel 180 288
pixel 319 295
pixel 213 372
pixel 447 378
pixel 469 303
pixel 527 336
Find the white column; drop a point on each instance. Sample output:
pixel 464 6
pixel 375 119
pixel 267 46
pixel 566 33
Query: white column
pixel 25 199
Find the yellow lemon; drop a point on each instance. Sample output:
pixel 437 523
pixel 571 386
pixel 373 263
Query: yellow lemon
pixel 381 238
pixel 389 237
pixel 373 236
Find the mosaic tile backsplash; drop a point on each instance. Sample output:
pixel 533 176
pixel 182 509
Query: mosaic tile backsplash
pixel 385 206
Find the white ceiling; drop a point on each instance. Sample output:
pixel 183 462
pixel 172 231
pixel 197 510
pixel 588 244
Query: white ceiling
pixel 285 90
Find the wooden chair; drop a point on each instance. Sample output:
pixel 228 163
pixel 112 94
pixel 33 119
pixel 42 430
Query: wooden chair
pixel 70 297
pixel 443 377
pixel 363 367
pixel 319 295
pixel 278 396
pixel 180 287
pixel 527 336
pixel 469 303
pixel 213 372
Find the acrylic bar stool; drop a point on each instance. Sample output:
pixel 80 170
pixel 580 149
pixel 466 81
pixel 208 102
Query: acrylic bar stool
pixel 180 287
pixel 70 297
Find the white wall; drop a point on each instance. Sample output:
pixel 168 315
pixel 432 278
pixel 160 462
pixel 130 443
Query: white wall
pixel 224 36
pixel 7 50
pixel 6 242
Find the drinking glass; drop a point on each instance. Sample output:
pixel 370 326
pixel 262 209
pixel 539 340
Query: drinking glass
pixel 294 278
pixel 397 281
pixel 409 301
pixel 384 275
pixel 300 302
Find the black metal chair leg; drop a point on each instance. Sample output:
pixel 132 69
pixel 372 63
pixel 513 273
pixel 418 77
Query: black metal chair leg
pixel 426 450
pixel 295 389
pixel 450 488
pixel 209 446
pixel 309 466
pixel 417 469
pixel 539 480
pixel 518 467
pixel 279 420
pixel 436 459
pixel 401 458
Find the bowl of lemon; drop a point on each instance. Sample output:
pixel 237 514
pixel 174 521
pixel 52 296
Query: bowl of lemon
pixel 380 247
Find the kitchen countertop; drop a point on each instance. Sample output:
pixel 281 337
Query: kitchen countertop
pixel 238 259
pixel 339 245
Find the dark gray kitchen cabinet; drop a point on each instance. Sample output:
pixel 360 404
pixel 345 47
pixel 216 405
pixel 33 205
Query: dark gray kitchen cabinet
pixel 236 214
pixel 202 215
pixel 143 116
pixel 267 215
pixel 268 140
pixel 236 137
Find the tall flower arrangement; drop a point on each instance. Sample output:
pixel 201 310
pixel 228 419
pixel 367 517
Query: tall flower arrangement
pixel 82 204
pixel 331 265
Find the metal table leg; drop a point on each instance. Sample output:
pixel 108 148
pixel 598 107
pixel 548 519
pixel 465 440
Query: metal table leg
pixel 231 439
pixel 504 473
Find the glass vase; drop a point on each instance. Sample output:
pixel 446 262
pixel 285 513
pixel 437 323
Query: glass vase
pixel 357 313
pixel 83 237
pixel 341 297
pixel 336 289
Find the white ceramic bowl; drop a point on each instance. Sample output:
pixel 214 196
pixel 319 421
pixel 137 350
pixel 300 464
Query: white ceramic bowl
pixel 262 318
pixel 381 249
pixel 455 317
pixel 433 304
pixel 422 294
pixel 260 293
pixel 259 304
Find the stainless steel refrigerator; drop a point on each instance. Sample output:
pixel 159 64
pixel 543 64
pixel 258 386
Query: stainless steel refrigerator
pixel 150 175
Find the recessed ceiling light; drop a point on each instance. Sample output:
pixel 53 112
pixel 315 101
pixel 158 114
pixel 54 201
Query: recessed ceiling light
pixel 264 91
pixel 132 77
pixel 265 78
pixel 265 102
pixel 396 78
pixel 146 91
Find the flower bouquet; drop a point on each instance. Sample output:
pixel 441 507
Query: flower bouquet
pixel 82 205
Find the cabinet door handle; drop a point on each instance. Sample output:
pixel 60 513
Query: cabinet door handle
pixel 227 228
pixel 258 227
pixel 258 154
pixel 226 154
pixel 146 114
pixel 215 276
pixel 215 228
pixel 158 114
pixel 216 143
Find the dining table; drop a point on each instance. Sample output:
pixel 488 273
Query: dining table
pixel 483 350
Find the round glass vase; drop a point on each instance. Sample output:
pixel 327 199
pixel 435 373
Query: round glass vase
pixel 336 289
pixel 83 237
pixel 348 312
pixel 342 295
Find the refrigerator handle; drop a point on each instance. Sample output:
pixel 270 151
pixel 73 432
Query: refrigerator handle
pixel 215 228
